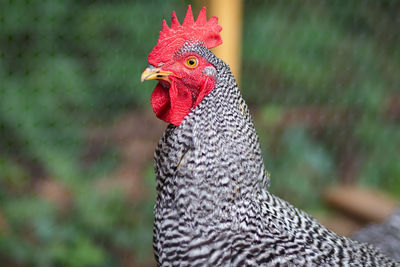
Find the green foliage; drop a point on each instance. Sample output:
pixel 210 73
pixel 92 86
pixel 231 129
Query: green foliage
pixel 300 166
pixel 66 66
pixel 333 57
pixel 96 224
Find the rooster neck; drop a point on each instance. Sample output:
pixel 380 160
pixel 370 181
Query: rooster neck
pixel 213 159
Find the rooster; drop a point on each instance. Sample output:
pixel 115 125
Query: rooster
pixel 213 207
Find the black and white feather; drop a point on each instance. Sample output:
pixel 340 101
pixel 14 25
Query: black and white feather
pixel 213 207
pixel 385 236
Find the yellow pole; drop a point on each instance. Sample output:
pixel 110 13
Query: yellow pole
pixel 229 13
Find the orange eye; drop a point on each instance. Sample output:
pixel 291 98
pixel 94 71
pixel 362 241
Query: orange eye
pixel 191 62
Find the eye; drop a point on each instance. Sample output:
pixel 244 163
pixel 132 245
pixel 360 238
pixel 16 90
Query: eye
pixel 191 62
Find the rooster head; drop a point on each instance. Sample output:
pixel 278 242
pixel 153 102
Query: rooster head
pixel 183 77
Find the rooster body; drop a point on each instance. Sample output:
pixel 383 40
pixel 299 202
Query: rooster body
pixel 213 207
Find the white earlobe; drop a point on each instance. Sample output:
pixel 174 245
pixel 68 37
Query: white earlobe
pixel 210 71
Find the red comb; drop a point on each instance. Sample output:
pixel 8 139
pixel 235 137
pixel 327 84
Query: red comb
pixel 201 30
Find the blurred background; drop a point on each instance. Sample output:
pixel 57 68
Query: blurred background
pixel 77 133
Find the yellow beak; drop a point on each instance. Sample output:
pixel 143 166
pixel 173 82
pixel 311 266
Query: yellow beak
pixel 152 73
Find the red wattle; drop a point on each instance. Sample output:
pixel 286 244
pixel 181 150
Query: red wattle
pixel 173 104
pixel 160 102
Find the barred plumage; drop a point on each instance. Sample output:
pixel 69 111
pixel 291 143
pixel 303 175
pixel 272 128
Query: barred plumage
pixel 385 236
pixel 213 207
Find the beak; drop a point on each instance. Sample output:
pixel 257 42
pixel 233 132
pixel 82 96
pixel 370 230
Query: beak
pixel 152 73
